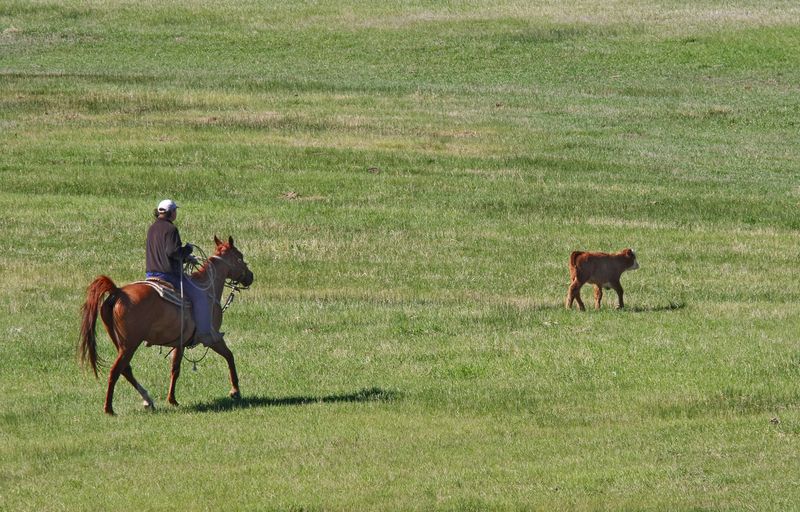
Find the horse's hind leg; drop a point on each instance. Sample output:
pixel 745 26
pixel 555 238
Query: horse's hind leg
pixel 123 361
pixel 223 350
pixel 128 374
pixel 177 356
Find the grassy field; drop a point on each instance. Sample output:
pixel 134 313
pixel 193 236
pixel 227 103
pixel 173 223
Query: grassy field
pixel 407 182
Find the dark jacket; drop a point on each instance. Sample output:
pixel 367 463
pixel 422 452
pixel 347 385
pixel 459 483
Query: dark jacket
pixel 165 252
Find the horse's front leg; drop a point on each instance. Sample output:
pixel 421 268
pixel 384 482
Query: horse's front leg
pixel 222 349
pixel 177 357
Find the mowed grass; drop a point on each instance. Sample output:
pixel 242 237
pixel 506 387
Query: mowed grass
pixel 407 181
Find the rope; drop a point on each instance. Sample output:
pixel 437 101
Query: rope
pixel 210 272
pixel 181 338
pixel 211 276
pixel 188 268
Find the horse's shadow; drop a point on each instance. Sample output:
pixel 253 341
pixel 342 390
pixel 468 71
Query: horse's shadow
pixel 228 404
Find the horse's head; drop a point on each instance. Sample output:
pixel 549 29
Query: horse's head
pixel 235 261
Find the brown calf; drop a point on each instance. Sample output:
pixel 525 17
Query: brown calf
pixel 601 269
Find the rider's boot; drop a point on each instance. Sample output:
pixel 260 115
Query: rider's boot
pixel 210 338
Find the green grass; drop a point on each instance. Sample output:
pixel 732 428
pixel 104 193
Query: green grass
pixel 407 183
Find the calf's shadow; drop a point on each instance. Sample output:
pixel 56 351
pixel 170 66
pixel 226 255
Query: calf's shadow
pixel 672 306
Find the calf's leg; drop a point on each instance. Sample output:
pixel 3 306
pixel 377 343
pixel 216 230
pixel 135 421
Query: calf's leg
pixel 574 294
pixel 598 296
pixel 618 288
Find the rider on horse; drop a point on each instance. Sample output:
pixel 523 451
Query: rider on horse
pixel 165 255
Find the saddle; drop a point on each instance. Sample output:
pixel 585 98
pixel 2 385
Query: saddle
pixel 167 292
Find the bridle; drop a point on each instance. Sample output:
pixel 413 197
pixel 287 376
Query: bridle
pixel 234 284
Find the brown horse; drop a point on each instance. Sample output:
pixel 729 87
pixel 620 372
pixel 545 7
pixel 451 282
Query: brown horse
pixel 136 313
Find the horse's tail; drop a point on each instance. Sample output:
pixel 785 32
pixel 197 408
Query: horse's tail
pixel 87 350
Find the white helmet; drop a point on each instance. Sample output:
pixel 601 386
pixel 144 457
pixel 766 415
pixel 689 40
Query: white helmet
pixel 167 205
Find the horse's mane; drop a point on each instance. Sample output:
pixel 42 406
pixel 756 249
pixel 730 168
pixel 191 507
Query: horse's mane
pixel 221 247
pixel 203 270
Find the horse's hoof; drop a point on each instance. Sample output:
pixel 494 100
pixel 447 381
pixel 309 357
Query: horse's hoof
pixel 149 405
pixel 109 412
pixel 235 395
pixel 173 403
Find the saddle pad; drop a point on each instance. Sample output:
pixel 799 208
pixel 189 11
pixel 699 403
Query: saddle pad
pixel 166 291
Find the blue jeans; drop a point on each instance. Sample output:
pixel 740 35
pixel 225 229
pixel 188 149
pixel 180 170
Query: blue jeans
pixel 201 307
